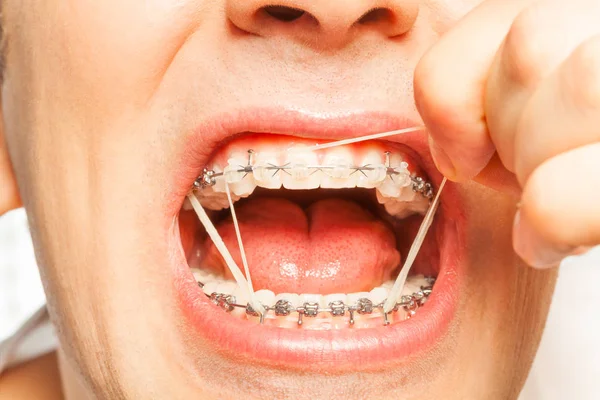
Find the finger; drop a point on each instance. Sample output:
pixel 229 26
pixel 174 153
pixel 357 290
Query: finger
pixel 496 177
pixel 449 88
pixel 564 113
pixel 542 36
pixel 550 225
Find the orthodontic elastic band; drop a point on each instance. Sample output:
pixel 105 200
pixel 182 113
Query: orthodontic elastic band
pixel 375 173
pixel 409 303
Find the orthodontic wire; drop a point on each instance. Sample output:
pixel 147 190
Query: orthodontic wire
pixel 220 245
pixel 253 302
pixel 398 287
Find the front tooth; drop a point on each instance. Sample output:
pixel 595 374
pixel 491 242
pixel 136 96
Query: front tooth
pixel 240 182
pixel 313 298
pixel 265 297
pixel 374 175
pixel 281 301
pixel 335 297
pixel 337 170
pixel 265 170
pixel 291 297
pixel 300 174
pixel 354 297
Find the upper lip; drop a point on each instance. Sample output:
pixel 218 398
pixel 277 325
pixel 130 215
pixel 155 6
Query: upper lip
pixel 281 347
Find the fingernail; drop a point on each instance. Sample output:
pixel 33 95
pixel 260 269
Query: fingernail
pixel 441 159
pixel 535 250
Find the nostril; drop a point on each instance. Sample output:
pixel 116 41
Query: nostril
pixel 376 15
pixel 283 13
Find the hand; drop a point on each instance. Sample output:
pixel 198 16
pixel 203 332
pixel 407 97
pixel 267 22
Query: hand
pixel 511 97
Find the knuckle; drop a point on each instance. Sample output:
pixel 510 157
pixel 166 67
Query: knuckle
pixel 435 98
pixel 526 54
pixel 426 79
pixel 583 75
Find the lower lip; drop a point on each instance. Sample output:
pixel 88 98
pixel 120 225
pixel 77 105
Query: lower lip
pixel 336 350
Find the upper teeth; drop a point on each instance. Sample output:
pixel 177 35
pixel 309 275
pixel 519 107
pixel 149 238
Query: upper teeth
pixel 395 185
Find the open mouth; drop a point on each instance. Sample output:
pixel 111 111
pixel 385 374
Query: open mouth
pixel 325 234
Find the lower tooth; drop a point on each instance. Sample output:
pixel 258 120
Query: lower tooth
pixel 285 303
pixel 378 295
pixel 335 298
pixel 313 298
pixel 265 297
pixel 403 209
pixel 364 306
pixel 241 295
pixel 353 298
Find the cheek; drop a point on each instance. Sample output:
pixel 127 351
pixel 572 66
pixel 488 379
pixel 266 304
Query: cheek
pixel 506 302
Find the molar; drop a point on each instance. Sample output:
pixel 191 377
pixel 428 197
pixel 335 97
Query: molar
pixel 211 199
pixel 403 209
pixel 210 287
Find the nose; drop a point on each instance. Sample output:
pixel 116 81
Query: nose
pixel 323 23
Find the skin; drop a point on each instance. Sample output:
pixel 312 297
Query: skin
pixel 97 98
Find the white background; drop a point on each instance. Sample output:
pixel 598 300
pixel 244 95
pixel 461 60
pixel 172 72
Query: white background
pixel 568 361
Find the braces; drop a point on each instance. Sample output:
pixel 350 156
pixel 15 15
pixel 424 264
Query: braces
pixel 337 308
pixel 419 185
pixel 409 303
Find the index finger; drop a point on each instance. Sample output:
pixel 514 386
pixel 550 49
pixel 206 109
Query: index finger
pixel 450 84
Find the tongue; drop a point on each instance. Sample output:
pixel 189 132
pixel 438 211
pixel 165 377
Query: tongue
pixel 331 246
